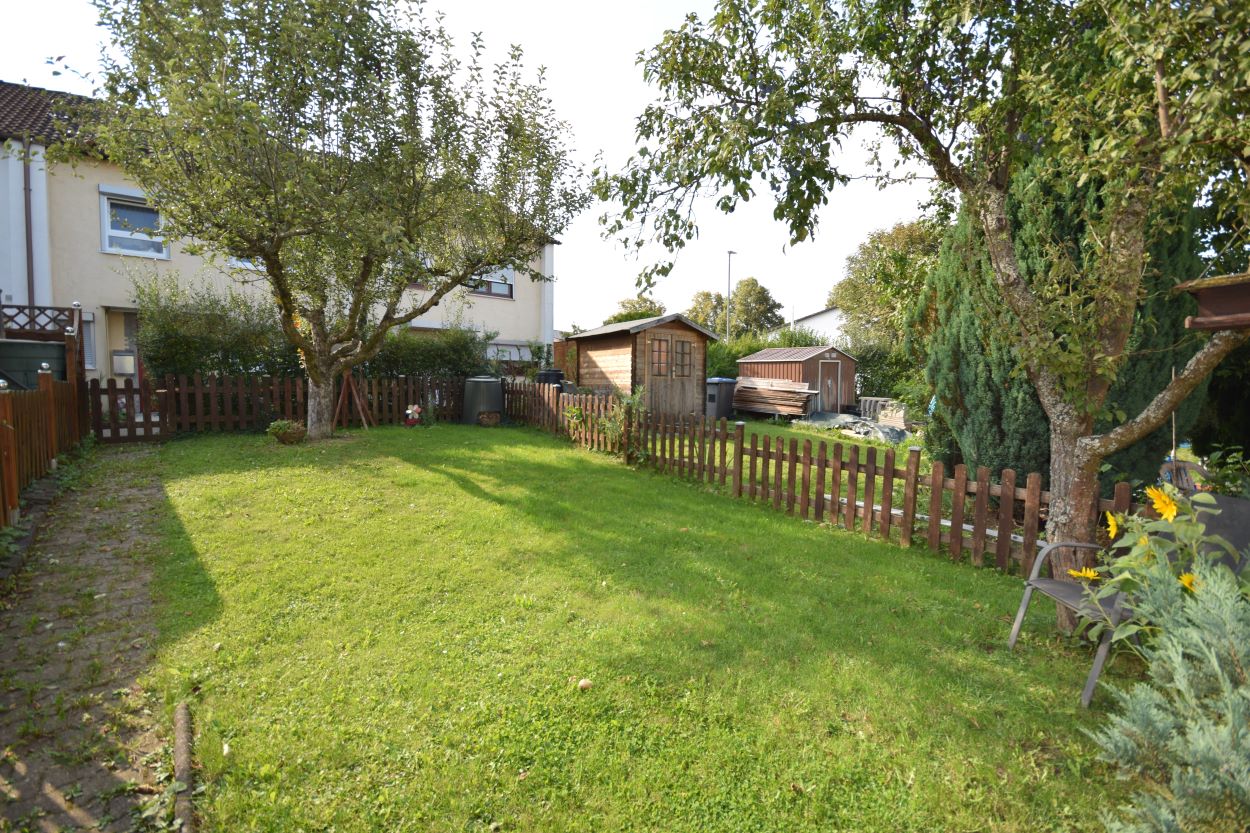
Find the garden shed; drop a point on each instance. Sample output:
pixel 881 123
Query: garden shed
pixel 825 369
pixel 666 354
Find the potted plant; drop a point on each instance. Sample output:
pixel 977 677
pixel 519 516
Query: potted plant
pixel 287 431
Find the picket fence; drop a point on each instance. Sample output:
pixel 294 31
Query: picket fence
pixel 36 426
pixel 988 519
pixel 130 412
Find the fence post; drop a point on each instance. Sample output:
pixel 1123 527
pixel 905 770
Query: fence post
pixel 49 405
pixel 627 430
pixel 8 453
pixel 909 495
pixel 739 431
pixel 71 376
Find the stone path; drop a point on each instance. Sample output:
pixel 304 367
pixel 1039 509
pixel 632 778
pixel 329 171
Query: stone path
pixel 79 747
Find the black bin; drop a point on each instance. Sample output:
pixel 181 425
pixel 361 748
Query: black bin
pixel 720 397
pixel 550 376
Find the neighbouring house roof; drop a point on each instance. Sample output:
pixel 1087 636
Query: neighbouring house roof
pixel 640 324
pixel 790 354
pixel 27 112
pixel 814 314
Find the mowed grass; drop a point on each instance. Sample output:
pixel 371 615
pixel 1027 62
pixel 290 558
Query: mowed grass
pixel 386 631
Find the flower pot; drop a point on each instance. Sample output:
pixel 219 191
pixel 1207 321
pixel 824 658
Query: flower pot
pixel 291 437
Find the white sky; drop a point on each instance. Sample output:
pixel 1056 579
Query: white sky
pixel 589 50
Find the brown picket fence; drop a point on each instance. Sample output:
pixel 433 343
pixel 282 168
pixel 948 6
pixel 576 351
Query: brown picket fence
pixel 987 519
pixel 36 427
pixel 130 412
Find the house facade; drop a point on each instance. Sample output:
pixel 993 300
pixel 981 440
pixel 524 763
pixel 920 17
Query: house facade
pixel 827 323
pixel 84 233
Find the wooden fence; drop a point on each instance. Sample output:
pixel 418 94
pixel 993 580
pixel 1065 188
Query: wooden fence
pixel 36 426
pixel 132 412
pixel 988 519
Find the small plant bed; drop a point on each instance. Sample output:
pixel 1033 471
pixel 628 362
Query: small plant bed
pixel 471 630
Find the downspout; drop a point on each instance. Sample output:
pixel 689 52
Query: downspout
pixel 30 231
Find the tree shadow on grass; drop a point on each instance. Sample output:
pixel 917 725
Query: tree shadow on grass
pixel 763 586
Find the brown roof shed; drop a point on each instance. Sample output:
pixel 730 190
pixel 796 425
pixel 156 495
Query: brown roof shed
pixel 826 368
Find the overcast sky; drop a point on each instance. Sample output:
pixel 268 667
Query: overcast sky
pixel 589 50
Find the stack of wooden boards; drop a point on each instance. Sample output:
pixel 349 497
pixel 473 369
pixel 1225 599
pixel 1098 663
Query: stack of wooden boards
pixel 772 396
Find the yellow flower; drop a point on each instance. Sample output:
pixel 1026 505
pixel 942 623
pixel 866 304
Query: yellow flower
pixel 1163 503
pixel 1189 580
pixel 1086 573
pixel 1143 541
pixel 1112 527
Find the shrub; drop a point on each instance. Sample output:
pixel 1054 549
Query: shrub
pixel 200 329
pixel 455 351
pixel 722 356
pixel 1184 734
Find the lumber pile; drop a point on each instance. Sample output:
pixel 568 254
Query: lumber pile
pixel 772 396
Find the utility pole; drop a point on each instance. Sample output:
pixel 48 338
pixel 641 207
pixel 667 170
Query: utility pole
pixel 728 290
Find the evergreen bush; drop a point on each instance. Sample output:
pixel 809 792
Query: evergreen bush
pixel 1184 733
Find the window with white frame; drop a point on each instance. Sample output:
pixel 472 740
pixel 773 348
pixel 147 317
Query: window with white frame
pixel 497 284
pixel 129 225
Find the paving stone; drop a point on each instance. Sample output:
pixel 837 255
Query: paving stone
pixel 79 625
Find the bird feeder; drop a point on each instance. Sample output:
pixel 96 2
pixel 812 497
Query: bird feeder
pixel 1223 302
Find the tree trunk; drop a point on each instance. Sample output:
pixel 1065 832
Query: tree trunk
pixel 320 408
pixel 1074 491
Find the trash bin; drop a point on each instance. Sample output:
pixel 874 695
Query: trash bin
pixel 720 397
pixel 550 376
pixel 482 395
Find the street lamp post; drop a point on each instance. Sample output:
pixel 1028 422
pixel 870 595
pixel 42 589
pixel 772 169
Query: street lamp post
pixel 728 290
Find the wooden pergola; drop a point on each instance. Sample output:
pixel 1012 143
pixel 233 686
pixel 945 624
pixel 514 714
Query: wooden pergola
pixel 1223 302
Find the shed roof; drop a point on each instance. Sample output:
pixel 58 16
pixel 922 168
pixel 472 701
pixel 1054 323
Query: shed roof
pixel 790 354
pixel 639 324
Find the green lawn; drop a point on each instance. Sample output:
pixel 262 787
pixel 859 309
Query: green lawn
pixel 386 631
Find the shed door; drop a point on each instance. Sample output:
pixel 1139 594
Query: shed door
pixel 830 386
pixel 671 375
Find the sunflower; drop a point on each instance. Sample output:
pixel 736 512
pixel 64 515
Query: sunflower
pixel 1085 573
pixel 1163 503
pixel 1189 580
pixel 1112 527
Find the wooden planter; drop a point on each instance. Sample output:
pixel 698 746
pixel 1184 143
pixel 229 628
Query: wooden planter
pixel 291 437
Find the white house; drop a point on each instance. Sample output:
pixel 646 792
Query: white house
pixel 84 233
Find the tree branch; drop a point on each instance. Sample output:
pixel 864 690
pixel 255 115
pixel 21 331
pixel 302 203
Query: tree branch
pixel 1153 415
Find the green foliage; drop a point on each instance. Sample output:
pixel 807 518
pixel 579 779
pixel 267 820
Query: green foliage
pixel 707 309
pixel 1228 472
pixel 452 351
pixel 630 309
pixel 1147 100
pixel 985 397
pixel 345 148
pixel 1181 735
pixel 186 329
pixel 753 310
pixel 722 356
pixel 882 371
pixel 1224 418
pixel 883 278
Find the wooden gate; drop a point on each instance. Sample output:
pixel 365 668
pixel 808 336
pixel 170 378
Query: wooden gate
pixel 124 414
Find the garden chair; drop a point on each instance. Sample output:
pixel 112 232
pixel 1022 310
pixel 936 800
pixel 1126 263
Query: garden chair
pixel 1180 473
pixel 1232 524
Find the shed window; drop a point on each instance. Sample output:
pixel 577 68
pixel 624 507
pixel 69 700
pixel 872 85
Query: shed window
pixel 659 357
pixel 682 352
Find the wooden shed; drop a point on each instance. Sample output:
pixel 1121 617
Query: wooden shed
pixel 666 354
pixel 825 369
